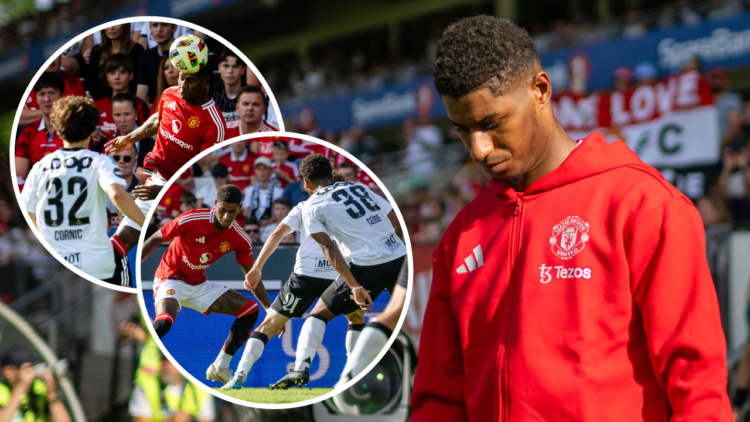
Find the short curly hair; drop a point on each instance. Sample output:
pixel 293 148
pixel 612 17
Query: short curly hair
pixel 483 52
pixel 229 194
pixel 316 168
pixel 74 118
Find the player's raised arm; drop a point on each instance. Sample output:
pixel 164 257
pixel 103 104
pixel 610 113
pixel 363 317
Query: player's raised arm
pixel 124 142
pixel 253 276
pixel 151 243
pixel 125 203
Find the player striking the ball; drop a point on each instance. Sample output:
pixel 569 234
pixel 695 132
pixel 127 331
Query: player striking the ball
pixel 312 275
pixel 66 192
pixel 365 226
pixel 187 122
pixel 201 237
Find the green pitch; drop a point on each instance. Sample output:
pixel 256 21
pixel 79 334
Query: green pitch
pixel 264 395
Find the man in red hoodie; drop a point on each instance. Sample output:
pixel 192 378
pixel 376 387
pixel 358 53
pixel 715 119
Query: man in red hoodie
pixel 575 288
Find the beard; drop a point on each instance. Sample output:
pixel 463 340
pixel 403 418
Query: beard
pixel 522 173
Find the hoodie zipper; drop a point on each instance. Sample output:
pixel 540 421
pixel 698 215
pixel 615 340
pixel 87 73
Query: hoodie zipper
pixel 515 246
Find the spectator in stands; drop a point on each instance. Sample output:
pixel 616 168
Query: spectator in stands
pixel 115 40
pixel 124 115
pixel 728 104
pixel 634 24
pixel 645 73
pixel 225 91
pixel 150 61
pixel 348 172
pixel 252 109
pixel 722 9
pixel 39 138
pixel 421 149
pixel 687 15
pixel 289 239
pixel 169 396
pixel 168 77
pixel 284 172
pixel 188 202
pixel 72 86
pixel 623 79
pixel 281 208
pixel 307 123
pixel 24 396
pixel 359 144
pixel 147 40
pixel 734 180
pixel 295 193
pixel 259 197
pixel 126 162
pixel 207 194
pixel 170 202
pixel 119 72
pixel 252 229
pixel 240 163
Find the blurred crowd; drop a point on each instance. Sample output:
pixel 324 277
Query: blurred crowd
pixel 337 68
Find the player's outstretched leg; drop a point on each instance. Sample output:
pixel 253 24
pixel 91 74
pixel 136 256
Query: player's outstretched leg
pixel 374 337
pixel 255 346
pixel 310 338
pixel 243 324
pixel 166 312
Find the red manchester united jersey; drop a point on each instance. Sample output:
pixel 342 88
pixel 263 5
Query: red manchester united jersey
pixel 107 121
pixel 240 169
pixel 290 169
pixel 35 142
pixel 197 244
pixel 234 129
pixel 73 86
pixel 185 130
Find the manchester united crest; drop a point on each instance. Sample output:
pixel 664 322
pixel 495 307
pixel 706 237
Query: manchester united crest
pixel 193 122
pixel 569 237
pixel 224 247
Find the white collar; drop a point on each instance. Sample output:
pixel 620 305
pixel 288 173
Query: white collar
pixel 243 157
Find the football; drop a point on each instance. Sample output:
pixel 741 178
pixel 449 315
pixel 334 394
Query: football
pixel 188 54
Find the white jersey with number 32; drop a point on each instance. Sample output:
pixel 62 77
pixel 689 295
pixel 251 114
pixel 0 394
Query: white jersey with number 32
pixel 358 219
pixel 67 192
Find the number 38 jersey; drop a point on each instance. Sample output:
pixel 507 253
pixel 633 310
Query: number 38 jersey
pixel 67 192
pixel 358 219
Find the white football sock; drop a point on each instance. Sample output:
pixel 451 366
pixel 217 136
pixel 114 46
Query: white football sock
pixel 351 340
pixel 370 343
pixel 253 350
pixel 223 360
pixel 310 338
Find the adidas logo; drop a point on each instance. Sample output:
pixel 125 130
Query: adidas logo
pixel 104 114
pixel 201 240
pixel 470 263
pixel 171 106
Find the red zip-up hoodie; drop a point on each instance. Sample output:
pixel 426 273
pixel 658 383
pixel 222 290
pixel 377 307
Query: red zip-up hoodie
pixel 585 298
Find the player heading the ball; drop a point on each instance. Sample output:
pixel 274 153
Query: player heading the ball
pixel 187 122
pixel 66 192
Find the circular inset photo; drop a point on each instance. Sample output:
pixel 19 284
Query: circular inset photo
pixel 283 277
pixel 110 118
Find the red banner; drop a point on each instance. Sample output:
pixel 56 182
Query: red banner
pixel 644 103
